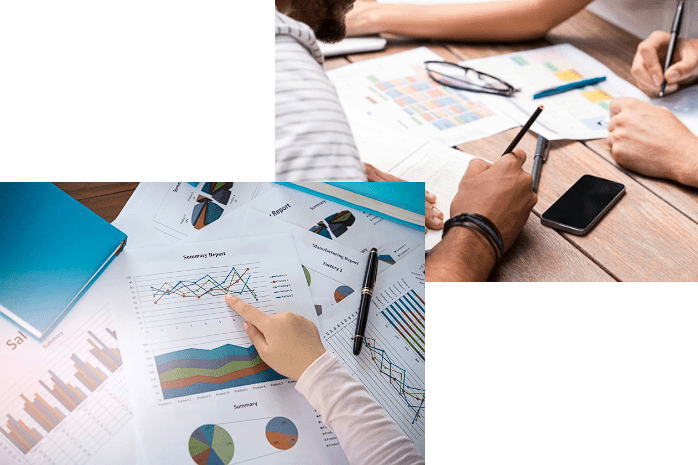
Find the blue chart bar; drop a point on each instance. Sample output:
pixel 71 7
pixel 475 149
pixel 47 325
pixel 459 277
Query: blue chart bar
pixel 407 316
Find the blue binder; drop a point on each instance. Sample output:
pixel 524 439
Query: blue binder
pixel 51 250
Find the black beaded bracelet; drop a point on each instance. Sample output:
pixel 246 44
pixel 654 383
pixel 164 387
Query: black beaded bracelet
pixel 482 225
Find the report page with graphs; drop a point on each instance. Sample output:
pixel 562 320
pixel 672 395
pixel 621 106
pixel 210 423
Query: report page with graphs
pixel 200 389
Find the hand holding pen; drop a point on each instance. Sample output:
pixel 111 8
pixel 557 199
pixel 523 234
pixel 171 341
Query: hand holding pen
pixel 650 68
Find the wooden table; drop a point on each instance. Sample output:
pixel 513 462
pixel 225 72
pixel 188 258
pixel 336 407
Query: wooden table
pixel 651 235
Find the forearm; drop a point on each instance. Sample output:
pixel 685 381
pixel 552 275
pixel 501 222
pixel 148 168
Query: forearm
pixel 365 431
pixel 462 255
pixel 499 21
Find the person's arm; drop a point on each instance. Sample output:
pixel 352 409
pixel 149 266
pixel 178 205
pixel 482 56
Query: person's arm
pixel 502 193
pixel 498 21
pixel 652 141
pixel 291 345
pixel 364 429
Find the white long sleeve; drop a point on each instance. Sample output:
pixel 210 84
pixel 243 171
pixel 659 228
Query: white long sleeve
pixel 365 431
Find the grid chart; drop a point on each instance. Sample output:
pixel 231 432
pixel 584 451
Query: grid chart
pixel 427 102
pixel 563 69
pixel 72 402
pixel 380 368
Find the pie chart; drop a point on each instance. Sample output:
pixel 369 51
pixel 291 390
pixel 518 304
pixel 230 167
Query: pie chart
pixel 211 445
pixel 282 433
pixel 341 292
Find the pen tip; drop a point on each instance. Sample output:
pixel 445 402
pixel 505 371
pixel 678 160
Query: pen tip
pixel 661 94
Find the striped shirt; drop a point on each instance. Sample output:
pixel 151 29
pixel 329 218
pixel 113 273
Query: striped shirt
pixel 313 138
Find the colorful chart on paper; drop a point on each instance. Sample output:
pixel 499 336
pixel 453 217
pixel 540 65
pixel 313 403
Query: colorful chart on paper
pixel 428 102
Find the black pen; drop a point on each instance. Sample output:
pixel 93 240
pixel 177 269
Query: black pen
pixel 541 156
pixel 524 130
pixel 675 31
pixel 366 294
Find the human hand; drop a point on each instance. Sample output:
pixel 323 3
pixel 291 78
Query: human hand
pixel 287 342
pixel 500 191
pixel 434 218
pixel 648 65
pixel 651 140
pixel 362 20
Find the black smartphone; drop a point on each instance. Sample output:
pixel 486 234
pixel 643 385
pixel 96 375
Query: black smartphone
pixel 583 205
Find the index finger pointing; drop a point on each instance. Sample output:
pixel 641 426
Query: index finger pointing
pixel 247 311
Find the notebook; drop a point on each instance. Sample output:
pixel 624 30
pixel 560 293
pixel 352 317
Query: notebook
pixel 51 249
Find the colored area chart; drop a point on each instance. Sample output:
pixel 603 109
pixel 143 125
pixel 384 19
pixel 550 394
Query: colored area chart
pixel 386 259
pixel 406 316
pixel 281 433
pixel 193 371
pixel 341 292
pixel 220 191
pixel 69 396
pixel 211 445
pixel 413 396
pixel 428 102
pixel 340 222
pixel 205 212
pixel 206 285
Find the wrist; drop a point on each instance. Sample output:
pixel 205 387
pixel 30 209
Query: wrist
pixel 371 19
pixel 462 255
pixel 687 168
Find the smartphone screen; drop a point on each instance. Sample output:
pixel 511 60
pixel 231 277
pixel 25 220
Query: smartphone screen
pixel 581 206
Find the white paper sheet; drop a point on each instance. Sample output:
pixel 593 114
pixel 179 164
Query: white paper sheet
pixel 579 114
pixel 177 326
pixel 392 362
pixel 394 92
pixel 355 229
pixel 441 169
pixel 179 209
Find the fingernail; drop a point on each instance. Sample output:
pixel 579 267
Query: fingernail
pixel 436 211
pixel 229 297
pixel 430 195
pixel 439 221
pixel 672 76
pixel 245 325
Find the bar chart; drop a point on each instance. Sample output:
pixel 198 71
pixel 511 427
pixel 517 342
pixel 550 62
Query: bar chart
pixel 72 401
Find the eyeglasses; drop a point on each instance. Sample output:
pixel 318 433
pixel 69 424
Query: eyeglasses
pixel 460 77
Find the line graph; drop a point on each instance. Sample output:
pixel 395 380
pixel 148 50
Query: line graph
pixel 193 298
pixel 414 397
pixel 389 370
pixel 205 285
